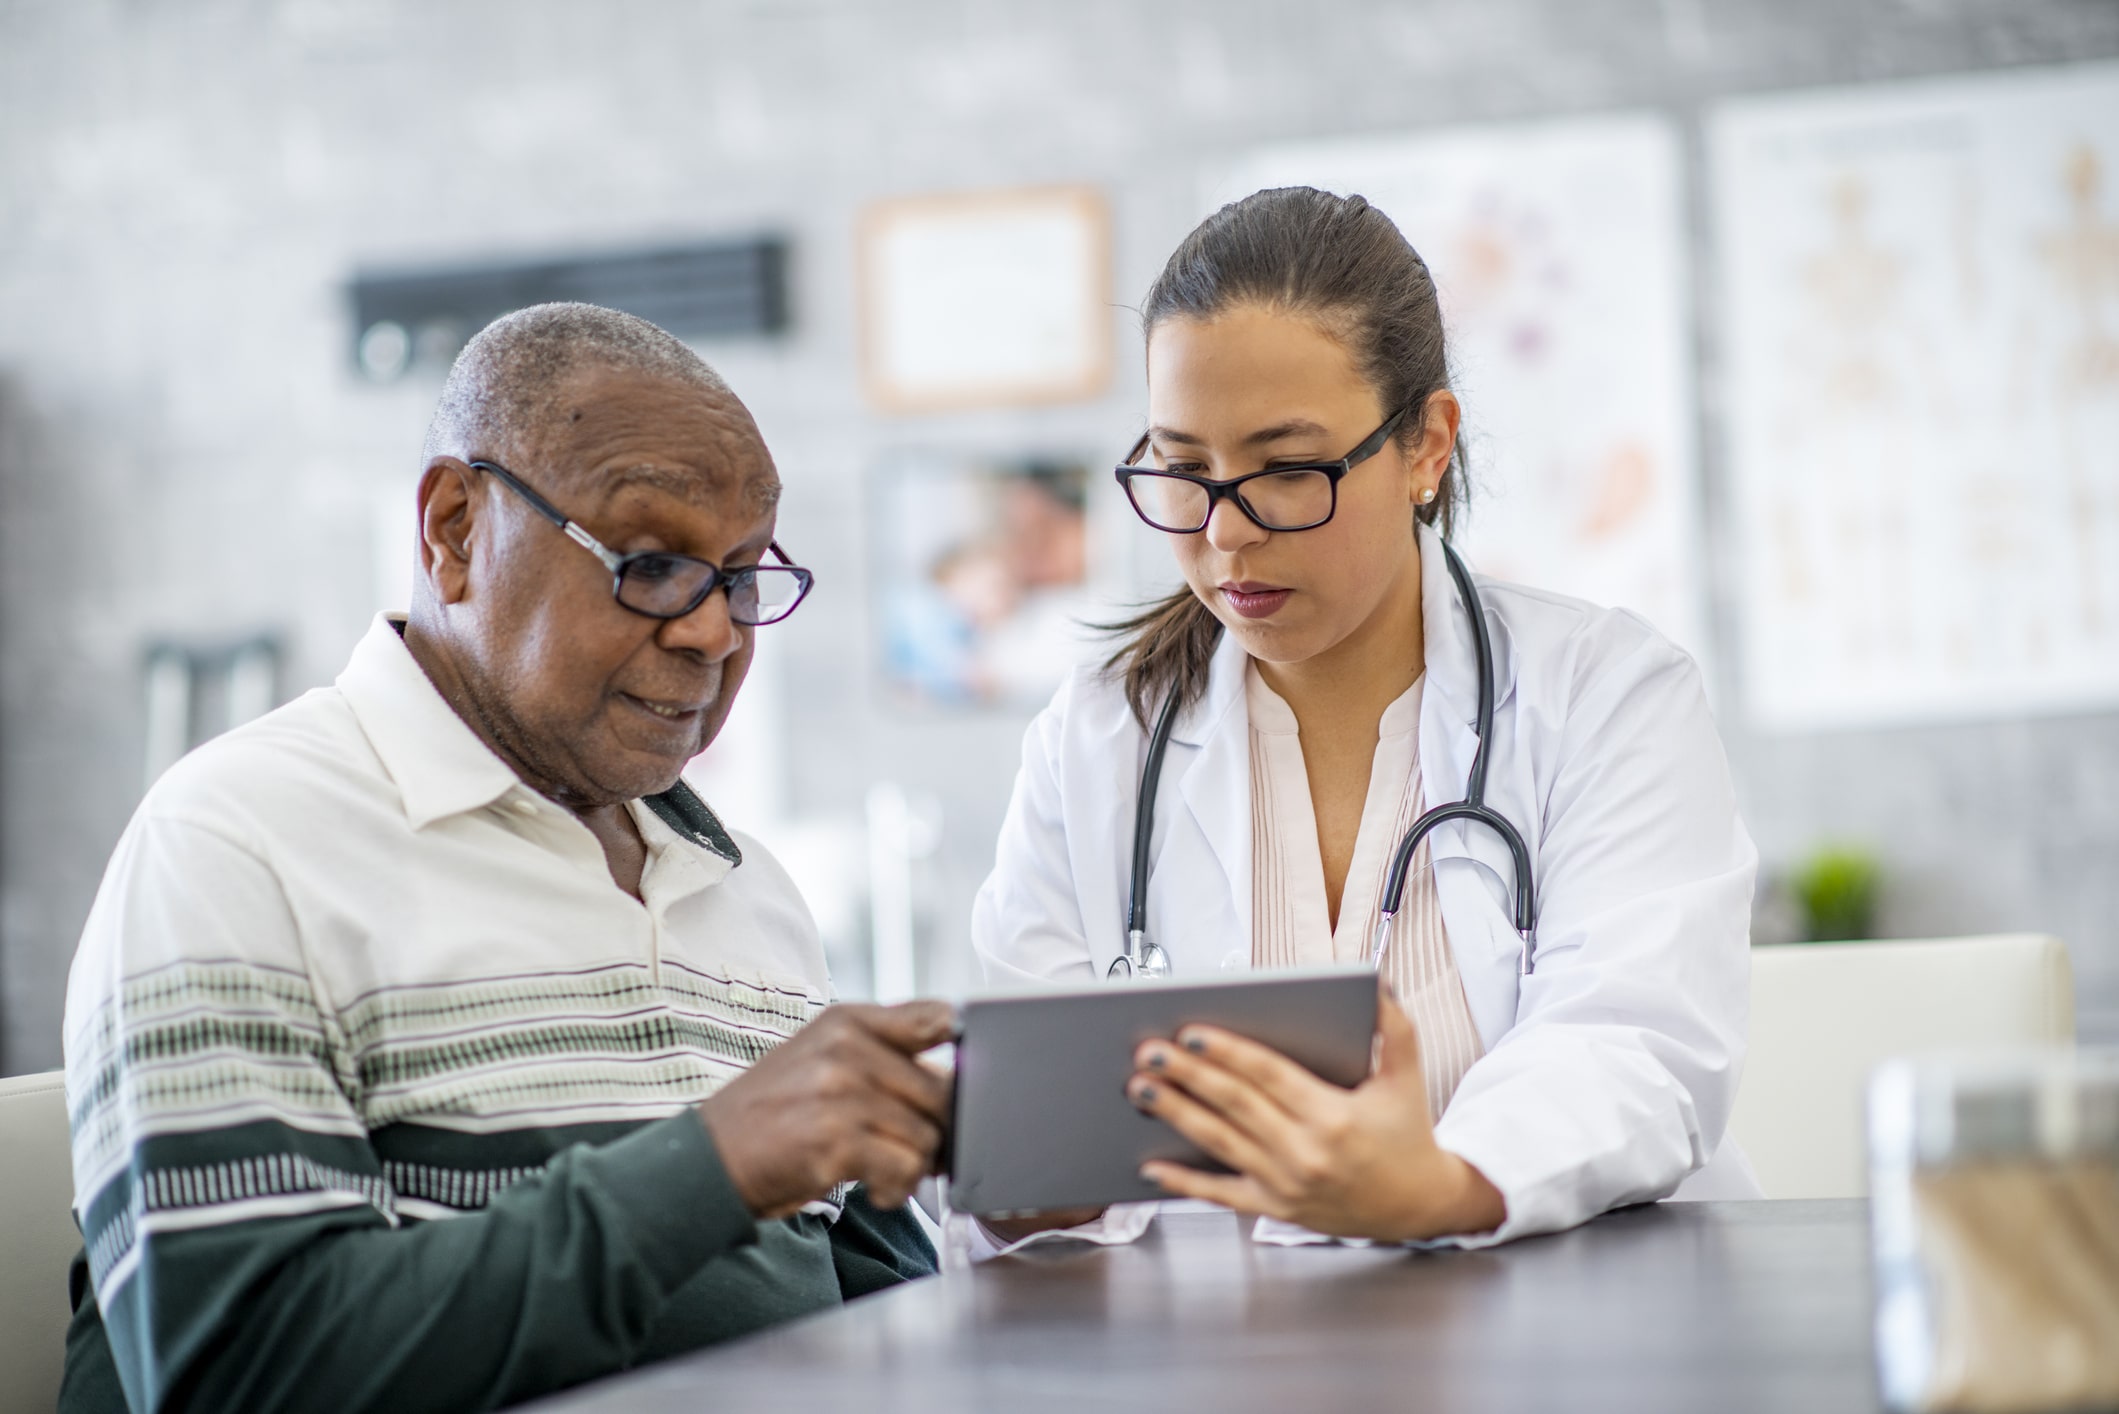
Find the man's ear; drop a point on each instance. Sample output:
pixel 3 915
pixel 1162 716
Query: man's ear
pixel 448 509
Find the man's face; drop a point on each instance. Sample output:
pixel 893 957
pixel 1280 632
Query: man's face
pixel 595 703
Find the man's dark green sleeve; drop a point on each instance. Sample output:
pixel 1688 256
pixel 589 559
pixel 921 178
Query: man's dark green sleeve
pixel 557 1280
pixel 872 1249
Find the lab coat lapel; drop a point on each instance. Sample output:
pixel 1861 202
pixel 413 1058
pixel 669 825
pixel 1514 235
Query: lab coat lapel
pixel 1215 787
pixel 1473 869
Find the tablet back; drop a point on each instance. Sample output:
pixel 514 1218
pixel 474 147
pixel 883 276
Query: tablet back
pixel 1041 1114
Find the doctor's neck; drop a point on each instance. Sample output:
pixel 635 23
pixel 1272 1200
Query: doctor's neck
pixel 1348 686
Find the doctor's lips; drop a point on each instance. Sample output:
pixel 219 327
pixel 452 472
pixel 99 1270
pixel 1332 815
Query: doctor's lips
pixel 1254 600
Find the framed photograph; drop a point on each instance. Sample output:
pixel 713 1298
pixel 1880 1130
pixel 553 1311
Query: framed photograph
pixel 982 585
pixel 986 299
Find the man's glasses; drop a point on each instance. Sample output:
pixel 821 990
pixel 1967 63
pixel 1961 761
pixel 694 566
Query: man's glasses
pixel 1300 497
pixel 666 586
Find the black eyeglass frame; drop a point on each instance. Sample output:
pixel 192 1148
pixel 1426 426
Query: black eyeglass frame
pixel 617 564
pixel 1231 488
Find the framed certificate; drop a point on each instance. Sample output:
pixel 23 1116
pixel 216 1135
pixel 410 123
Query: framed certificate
pixel 985 299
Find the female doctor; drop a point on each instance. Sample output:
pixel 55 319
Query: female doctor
pixel 1303 462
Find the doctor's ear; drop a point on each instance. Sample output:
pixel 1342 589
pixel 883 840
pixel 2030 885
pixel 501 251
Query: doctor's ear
pixel 1427 459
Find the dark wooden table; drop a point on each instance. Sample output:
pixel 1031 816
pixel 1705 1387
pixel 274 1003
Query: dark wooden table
pixel 1692 1307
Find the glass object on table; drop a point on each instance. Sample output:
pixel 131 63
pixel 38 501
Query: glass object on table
pixel 1994 1183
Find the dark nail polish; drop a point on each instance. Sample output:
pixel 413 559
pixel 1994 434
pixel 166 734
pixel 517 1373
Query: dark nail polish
pixel 1145 1095
pixel 1197 1045
pixel 1157 1059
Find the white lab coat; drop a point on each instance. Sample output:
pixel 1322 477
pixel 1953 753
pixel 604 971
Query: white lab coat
pixel 1609 1073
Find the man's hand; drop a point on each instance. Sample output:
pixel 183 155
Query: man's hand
pixel 843 1098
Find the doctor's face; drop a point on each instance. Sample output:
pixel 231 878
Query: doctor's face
pixel 1253 388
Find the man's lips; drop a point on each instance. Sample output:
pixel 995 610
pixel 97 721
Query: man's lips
pixel 1254 600
pixel 681 708
pixel 677 713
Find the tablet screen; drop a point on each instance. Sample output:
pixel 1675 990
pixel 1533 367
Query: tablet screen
pixel 1041 1114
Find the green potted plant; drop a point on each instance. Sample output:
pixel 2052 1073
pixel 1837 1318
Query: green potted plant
pixel 1836 890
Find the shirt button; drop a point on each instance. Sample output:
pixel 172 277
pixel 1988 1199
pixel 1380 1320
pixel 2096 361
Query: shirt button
pixel 525 807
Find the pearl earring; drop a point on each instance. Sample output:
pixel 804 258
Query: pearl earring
pixel 1427 495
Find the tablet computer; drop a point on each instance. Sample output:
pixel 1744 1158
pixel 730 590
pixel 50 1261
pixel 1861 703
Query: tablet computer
pixel 1041 1119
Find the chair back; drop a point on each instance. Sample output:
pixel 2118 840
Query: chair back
pixel 1824 1014
pixel 37 1240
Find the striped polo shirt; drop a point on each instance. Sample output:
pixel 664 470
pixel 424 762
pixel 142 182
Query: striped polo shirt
pixel 344 963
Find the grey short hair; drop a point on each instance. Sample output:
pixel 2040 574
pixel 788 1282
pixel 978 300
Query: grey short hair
pixel 506 381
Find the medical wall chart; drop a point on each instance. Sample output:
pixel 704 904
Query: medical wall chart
pixel 1558 250
pixel 1921 324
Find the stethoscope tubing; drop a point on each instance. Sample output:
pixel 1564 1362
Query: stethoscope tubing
pixel 1145 958
pixel 1142 957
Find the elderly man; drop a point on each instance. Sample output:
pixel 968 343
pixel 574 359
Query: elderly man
pixel 431 1045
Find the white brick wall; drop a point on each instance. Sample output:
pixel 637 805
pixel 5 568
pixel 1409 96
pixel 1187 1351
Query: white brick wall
pixel 183 447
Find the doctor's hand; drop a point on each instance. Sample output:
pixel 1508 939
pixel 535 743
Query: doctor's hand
pixel 845 1098
pixel 1348 1163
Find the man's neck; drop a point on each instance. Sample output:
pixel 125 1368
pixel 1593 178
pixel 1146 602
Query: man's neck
pixel 430 651
pixel 624 848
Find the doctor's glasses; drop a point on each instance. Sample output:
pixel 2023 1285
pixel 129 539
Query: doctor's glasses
pixel 1298 497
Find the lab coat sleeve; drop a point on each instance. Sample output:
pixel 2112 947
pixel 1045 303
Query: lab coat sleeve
pixel 1026 924
pixel 1617 1077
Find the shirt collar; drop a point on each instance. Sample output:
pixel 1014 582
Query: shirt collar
pixel 1225 689
pixel 673 870
pixel 683 811
pixel 1269 711
pixel 438 763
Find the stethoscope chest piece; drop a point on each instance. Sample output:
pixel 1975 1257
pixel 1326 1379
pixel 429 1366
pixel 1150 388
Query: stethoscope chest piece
pixel 1141 959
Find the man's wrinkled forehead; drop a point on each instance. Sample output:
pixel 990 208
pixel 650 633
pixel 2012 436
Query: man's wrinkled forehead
pixel 610 432
pixel 755 489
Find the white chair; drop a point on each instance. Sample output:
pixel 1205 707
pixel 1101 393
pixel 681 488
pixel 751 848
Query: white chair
pixel 37 1240
pixel 1824 1014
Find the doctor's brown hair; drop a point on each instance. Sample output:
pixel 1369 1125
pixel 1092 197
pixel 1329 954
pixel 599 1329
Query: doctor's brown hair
pixel 1344 264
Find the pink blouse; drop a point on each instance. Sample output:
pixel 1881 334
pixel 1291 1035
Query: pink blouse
pixel 1290 916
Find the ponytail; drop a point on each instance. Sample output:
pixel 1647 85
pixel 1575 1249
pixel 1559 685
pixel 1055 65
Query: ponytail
pixel 1168 648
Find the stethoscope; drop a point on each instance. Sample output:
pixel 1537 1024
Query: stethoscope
pixel 1146 958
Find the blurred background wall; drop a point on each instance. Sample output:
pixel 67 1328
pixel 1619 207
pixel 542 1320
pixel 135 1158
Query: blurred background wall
pixel 189 453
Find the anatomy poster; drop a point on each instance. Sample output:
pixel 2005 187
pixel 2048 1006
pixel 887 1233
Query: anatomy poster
pixel 1921 317
pixel 1559 255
